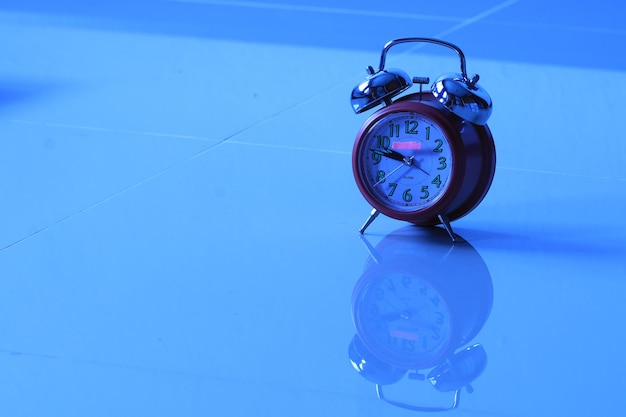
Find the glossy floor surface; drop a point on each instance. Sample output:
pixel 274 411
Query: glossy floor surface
pixel 179 214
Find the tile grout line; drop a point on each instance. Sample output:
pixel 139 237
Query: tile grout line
pixel 454 28
pixel 564 174
pixel 115 194
pixel 477 17
pixel 459 25
pixel 151 176
pixel 111 130
pixel 321 9
pixel 229 140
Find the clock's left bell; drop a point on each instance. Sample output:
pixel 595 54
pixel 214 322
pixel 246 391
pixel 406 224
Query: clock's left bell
pixel 379 87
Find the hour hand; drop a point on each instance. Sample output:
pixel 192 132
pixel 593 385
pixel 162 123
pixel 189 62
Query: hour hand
pixel 390 153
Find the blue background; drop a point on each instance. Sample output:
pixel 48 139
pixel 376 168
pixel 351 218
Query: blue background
pixel 179 216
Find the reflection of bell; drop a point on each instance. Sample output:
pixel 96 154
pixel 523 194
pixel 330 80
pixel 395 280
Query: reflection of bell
pixel 463 97
pixel 378 87
pixel 460 369
pixel 370 367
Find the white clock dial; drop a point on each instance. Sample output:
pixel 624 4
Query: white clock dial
pixel 405 161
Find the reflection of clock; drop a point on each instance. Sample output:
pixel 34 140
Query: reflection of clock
pixel 404 318
pixel 419 301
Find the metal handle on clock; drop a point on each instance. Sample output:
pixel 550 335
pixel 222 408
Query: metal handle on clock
pixel 458 93
pixel 388 45
pixel 456 398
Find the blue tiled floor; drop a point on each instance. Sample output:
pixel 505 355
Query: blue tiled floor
pixel 180 218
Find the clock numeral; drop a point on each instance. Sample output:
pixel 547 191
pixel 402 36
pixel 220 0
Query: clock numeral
pixel 383 142
pixel 442 163
pixel 393 186
pixel 407 196
pixel 406 282
pixel 436 333
pixel 378 325
pixel 390 285
pixel 410 127
pixel 408 345
pixel 394 130
pixel 376 157
pixel 380 176
pixel 379 294
pixel 435 301
pixel 374 311
pixel 437 181
pixel 439 143
pixel 439 317
pixel 392 340
pixel 425 193
pixel 428 133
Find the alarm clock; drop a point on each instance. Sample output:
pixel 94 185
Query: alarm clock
pixel 419 302
pixel 427 158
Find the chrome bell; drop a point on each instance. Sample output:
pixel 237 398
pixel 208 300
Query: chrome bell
pixel 379 87
pixel 463 97
pixel 456 92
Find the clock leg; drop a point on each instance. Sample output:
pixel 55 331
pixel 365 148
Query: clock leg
pixel 446 225
pixel 369 220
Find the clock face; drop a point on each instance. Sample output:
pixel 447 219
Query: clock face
pixel 404 161
pixel 403 320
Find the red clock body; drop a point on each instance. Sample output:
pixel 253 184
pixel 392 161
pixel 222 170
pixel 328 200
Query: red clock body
pixel 413 160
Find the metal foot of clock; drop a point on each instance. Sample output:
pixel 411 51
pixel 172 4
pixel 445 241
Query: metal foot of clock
pixel 445 222
pixel 446 225
pixel 374 213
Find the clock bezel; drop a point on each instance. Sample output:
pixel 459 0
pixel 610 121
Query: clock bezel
pixel 429 214
pixel 474 161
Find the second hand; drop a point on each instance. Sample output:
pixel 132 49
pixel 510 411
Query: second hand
pixel 408 162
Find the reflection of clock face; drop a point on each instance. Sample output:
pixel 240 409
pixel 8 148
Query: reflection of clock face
pixel 403 319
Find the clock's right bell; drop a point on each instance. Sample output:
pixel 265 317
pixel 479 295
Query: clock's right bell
pixel 463 97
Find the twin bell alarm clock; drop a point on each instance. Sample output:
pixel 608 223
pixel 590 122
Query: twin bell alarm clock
pixel 427 157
